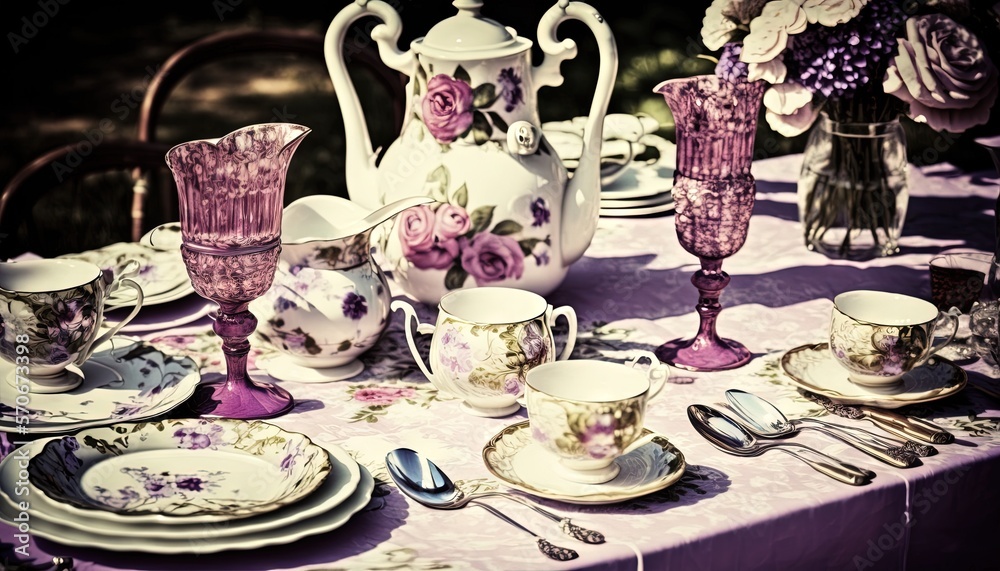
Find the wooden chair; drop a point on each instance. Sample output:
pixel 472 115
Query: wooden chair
pixel 231 44
pixel 51 205
pixel 46 209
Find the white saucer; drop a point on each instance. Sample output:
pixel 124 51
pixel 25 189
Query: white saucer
pixel 648 465
pixel 813 368
pixel 283 368
pixel 162 274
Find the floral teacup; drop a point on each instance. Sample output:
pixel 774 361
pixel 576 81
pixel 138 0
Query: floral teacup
pixel 51 311
pixel 484 343
pixel 586 413
pixel 879 336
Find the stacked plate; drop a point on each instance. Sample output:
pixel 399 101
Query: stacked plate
pixel 191 485
pixel 162 275
pixel 124 380
pixel 637 166
pixel 644 188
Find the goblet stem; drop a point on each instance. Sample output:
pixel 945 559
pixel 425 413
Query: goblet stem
pixel 707 351
pixel 237 395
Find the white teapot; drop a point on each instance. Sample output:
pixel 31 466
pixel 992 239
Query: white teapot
pixel 506 212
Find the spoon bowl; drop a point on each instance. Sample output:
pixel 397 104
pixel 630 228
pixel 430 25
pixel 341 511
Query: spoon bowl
pixel 421 479
pixel 766 420
pixel 727 435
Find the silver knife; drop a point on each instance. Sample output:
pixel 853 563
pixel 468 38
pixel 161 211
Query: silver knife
pixel 901 425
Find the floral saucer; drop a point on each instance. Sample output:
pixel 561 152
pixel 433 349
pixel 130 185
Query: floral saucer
pixel 813 368
pixel 189 470
pixel 124 380
pixel 650 464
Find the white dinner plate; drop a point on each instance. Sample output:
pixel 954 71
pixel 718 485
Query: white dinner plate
pixel 650 464
pixel 178 471
pixel 340 483
pixel 659 199
pixel 813 368
pixel 125 380
pixel 633 212
pixel 167 544
pixel 187 309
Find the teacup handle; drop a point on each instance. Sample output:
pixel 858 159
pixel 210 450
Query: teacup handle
pixel 658 373
pixel 410 314
pixel 84 355
pixel 951 315
pixel 570 315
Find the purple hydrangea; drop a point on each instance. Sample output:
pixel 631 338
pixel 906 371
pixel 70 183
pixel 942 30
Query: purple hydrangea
pixel 834 61
pixel 730 68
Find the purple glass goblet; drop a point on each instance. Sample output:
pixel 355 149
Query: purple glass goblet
pixel 231 194
pixel 716 121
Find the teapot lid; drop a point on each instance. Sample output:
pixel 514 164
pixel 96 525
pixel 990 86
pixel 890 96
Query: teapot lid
pixel 469 35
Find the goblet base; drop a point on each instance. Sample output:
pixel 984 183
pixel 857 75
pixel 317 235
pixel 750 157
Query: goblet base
pixel 698 355
pixel 252 400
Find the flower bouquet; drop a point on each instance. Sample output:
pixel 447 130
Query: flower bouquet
pixel 852 68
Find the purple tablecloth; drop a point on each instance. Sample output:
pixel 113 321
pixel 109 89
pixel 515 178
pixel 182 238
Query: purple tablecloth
pixel 632 291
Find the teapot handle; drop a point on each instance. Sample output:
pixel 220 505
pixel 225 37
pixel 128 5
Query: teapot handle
pixel 360 156
pixel 582 219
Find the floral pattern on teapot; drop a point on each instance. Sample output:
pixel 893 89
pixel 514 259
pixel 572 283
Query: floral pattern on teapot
pixel 452 109
pixel 445 236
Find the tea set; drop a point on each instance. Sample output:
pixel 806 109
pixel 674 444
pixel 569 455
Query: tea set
pixel 474 213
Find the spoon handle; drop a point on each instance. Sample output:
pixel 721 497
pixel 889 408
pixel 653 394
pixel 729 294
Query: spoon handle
pixel 922 450
pixel 568 527
pixel 893 456
pixel 550 550
pixel 835 471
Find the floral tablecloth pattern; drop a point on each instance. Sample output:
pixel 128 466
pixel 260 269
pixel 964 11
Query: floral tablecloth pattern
pixel 632 291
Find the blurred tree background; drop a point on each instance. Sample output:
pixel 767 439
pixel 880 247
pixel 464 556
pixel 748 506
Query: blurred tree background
pixel 91 61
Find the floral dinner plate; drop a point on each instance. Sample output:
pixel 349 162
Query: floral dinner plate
pixel 179 471
pixel 125 380
pixel 339 485
pixel 167 544
pixel 813 368
pixel 650 464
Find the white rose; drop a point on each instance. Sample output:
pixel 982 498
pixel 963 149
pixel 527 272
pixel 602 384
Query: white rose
pixel 769 32
pixel 789 107
pixel 832 12
pixel 942 71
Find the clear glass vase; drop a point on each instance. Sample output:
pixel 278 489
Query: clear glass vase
pixel 852 189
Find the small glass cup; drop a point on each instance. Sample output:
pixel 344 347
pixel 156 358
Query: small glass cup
pixel 957 280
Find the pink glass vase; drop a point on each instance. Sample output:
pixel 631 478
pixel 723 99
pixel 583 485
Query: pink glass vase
pixel 231 193
pixel 716 121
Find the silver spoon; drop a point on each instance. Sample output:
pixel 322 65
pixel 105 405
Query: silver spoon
pixel 726 435
pixel 764 419
pixel 421 480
